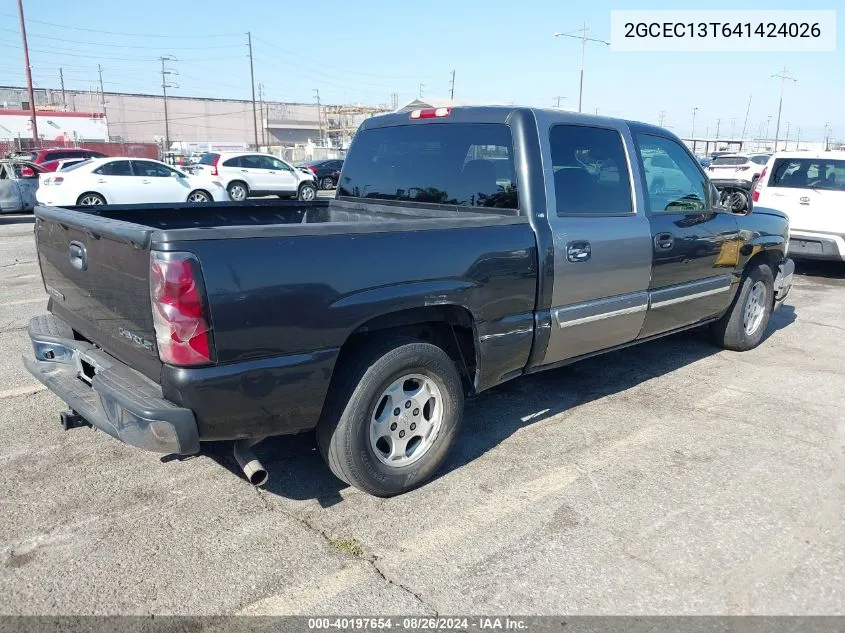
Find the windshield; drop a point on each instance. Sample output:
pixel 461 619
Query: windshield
pixel 809 173
pixel 465 164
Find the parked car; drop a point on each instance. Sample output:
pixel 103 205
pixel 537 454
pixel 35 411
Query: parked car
pixel 48 159
pixel 326 171
pixel 274 318
pixel 99 181
pixel 246 174
pixel 18 184
pixel 704 161
pixel 810 189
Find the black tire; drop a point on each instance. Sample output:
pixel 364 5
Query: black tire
pixel 234 186
pixel 92 195
pixel 304 188
pixel 344 428
pixel 200 196
pixel 730 332
pixel 327 183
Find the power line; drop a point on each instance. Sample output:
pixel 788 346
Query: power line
pixel 125 34
pixel 132 46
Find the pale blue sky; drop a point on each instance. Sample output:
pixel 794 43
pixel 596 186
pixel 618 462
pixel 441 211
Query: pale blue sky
pixel 363 51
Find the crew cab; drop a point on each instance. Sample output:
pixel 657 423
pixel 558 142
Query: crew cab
pixel 465 247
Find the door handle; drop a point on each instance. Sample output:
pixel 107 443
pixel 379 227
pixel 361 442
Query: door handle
pixel 664 241
pixel 578 252
pixel 101 180
pixel 145 181
pixel 243 170
pixel 77 255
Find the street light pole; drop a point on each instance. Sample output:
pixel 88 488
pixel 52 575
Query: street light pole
pixel 783 77
pixel 584 39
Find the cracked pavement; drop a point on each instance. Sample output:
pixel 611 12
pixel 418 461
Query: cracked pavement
pixel 665 478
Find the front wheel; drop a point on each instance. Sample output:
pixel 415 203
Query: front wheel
pixel 743 326
pixel 394 411
pixel 307 192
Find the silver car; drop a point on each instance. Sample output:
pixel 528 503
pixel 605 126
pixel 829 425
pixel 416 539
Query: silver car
pixel 18 184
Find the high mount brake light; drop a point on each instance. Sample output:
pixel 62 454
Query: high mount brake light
pixel 431 113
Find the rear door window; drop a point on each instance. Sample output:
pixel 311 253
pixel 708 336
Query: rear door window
pixel 590 171
pixel 808 173
pixel 115 168
pixel 463 164
pixel 232 162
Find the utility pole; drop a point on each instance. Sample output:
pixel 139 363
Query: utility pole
pixel 786 142
pixel 165 84
pixel 733 127
pixel 29 90
pixel 319 113
pixel 557 101
pixel 102 100
pixel 452 90
pixel 783 76
pixel 692 134
pixel 827 135
pixel 421 90
pixel 661 117
pixel 718 124
pixel 252 82
pixel 584 39
pixel 261 112
pixel 745 123
pixel 768 123
pixel 62 82
pixel 798 140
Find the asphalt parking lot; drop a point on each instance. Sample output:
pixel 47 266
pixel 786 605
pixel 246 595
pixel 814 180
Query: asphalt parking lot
pixel 666 478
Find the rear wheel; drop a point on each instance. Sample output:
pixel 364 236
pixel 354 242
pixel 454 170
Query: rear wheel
pixel 743 326
pixel 394 412
pixel 238 191
pixel 200 196
pixel 90 199
pixel 307 192
pixel 327 183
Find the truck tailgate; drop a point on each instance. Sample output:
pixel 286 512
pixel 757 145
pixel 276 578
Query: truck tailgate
pixel 98 282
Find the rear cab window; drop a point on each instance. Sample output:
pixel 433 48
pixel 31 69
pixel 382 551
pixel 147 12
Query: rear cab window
pixel 462 164
pixel 729 161
pixel 808 173
pixel 208 158
pixel 590 171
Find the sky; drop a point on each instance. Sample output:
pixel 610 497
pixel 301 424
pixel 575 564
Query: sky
pixel 363 51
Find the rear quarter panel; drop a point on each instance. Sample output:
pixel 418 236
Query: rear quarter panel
pixel 299 298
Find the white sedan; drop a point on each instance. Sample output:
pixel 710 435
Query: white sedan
pixel 124 181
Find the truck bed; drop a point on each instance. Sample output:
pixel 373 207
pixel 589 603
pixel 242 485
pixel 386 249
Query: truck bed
pixel 291 213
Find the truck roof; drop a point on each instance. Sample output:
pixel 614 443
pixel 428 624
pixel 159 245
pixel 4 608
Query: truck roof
pixel 492 114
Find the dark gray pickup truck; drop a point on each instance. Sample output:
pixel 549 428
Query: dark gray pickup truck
pixel 465 247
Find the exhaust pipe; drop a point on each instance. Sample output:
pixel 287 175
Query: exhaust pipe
pixel 254 471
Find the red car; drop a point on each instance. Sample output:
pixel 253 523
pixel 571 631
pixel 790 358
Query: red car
pixel 49 158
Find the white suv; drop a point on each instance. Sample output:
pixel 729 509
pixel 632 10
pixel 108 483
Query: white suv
pixel 737 170
pixel 246 174
pixel 809 188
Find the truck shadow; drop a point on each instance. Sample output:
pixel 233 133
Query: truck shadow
pixel 820 269
pixel 297 470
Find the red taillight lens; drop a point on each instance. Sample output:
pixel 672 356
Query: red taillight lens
pixel 183 331
pixel 755 195
pixel 214 165
pixel 313 170
pixel 431 113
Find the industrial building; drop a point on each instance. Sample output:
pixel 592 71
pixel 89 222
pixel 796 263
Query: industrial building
pixel 140 118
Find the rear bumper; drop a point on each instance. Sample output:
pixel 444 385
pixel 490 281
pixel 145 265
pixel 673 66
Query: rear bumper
pixel 108 394
pixel 812 245
pixel 783 281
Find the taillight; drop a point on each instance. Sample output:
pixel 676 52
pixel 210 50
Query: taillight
pixel 755 195
pixel 214 165
pixel 183 331
pixel 431 113
pixel 54 180
pixel 313 170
